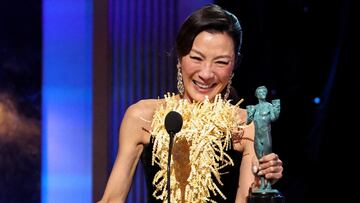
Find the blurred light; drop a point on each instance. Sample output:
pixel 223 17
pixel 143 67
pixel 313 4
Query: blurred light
pixel 67 102
pixel 306 9
pixel 317 100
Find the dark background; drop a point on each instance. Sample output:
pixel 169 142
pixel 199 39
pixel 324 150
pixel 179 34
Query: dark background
pixel 302 50
pixel 20 101
pixel 20 54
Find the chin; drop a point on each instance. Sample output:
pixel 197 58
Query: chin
pixel 201 97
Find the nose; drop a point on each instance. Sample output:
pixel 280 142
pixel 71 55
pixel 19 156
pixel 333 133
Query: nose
pixel 206 73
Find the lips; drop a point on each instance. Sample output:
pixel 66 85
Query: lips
pixel 203 86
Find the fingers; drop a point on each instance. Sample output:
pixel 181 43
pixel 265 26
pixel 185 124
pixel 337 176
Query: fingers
pixel 269 160
pixel 271 167
pixel 269 157
pixel 254 169
pixel 270 164
pixel 273 172
pixel 254 165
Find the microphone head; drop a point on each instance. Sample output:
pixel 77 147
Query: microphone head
pixel 173 122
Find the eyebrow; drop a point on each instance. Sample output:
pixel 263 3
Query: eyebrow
pixel 218 57
pixel 198 52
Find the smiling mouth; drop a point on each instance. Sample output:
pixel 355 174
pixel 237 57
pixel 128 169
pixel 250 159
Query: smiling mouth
pixel 203 86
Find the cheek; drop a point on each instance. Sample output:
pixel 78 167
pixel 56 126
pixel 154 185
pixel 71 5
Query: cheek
pixel 224 75
pixel 188 70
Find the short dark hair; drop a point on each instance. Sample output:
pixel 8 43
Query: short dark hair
pixel 211 18
pixel 259 88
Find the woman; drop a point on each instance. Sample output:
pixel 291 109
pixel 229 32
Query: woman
pixel 207 45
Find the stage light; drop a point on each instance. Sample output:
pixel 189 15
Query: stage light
pixel 317 100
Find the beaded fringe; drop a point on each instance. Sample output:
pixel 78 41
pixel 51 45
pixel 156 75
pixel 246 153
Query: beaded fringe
pixel 199 148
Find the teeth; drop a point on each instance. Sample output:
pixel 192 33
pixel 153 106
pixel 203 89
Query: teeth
pixel 202 85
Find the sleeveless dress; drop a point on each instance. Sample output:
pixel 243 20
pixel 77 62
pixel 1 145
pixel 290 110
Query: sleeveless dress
pixel 230 175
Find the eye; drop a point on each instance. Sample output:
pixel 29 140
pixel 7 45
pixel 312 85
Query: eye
pixel 196 58
pixel 222 62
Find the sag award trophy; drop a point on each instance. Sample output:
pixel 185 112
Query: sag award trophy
pixel 262 114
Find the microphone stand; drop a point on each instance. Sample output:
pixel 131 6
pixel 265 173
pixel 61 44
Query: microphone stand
pixel 173 124
pixel 171 135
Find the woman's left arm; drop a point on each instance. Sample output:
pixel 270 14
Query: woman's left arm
pixel 247 177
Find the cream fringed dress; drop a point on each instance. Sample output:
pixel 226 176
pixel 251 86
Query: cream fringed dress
pixel 204 165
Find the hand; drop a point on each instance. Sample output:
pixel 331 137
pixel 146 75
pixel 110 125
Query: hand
pixel 271 167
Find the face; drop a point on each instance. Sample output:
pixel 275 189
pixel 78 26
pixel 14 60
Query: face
pixel 207 69
pixel 261 93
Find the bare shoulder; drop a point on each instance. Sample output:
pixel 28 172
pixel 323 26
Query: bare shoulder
pixel 144 109
pixel 243 138
pixel 140 115
pixel 241 114
pixel 249 129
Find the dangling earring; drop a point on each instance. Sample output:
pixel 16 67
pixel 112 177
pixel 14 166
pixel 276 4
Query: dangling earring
pixel 180 84
pixel 228 87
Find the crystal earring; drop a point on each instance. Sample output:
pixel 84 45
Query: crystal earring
pixel 228 87
pixel 180 84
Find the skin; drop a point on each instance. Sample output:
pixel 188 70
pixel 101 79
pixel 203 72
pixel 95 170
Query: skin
pixel 207 68
pixel 206 71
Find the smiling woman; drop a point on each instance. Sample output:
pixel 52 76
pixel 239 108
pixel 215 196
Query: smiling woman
pixel 214 144
pixel 208 67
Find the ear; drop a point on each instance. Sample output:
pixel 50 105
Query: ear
pixel 178 65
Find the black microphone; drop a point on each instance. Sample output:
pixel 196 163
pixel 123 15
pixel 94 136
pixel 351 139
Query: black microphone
pixel 173 124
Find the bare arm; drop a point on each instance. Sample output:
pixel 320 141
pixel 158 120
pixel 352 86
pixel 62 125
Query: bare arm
pixel 131 139
pixel 246 176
